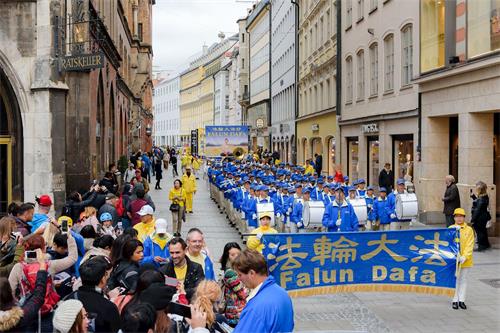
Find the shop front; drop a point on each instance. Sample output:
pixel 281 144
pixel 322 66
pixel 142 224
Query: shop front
pixel 317 135
pixel 368 146
pixel 258 120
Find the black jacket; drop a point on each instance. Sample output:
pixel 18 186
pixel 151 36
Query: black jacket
pixel 386 179
pixel 125 275
pixel 480 210
pixel 194 275
pixel 75 208
pixel 451 199
pixel 105 312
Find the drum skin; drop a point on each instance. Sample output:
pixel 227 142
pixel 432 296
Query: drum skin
pixel 359 206
pixel 313 213
pixel 406 206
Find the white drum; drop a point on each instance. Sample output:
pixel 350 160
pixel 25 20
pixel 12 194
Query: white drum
pixel 359 205
pixel 313 213
pixel 266 208
pixel 406 206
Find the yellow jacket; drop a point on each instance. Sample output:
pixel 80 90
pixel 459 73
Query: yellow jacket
pixel 145 230
pixel 177 193
pixel 196 164
pixel 309 170
pixel 466 243
pixel 185 160
pixel 254 243
pixel 189 183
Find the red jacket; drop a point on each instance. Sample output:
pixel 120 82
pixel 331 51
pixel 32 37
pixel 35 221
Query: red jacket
pixel 339 177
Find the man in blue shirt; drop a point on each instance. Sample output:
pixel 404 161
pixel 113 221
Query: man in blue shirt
pixel 269 308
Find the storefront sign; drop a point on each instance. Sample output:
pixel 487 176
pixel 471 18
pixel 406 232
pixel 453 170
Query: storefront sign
pixel 259 123
pixel 369 128
pixel 315 127
pixel 82 62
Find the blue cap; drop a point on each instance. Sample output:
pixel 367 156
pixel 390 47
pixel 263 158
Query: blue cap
pixel 370 188
pixel 330 177
pixel 351 188
pixel 291 189
pixel 346 178
pixel 306 190
pixel 338 188
pixel 298 185
pixel 356 182
pixel 361 181
pixel 105 217
pixel 383 189
pixel 264 188
pixel 400 181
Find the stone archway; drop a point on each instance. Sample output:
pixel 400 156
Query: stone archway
pixel 11 144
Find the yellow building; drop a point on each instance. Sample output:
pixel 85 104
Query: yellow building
pixel 317 123
pixel 197 89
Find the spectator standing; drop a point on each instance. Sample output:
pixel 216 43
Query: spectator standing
pixel 156 245
pixel 110 207
pixel 70 317
pixel 196 243
pixel 451 199
pixel 481 215
pixel 177 196
pixel 146 227
pixel 136 205
pixel 269 308
pixel 126 271
pixel 129 173
pixel 386 178
pixel 11 249
pixel 318 163
pixel 158 173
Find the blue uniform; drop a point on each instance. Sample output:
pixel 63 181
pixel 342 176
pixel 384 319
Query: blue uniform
pixel 297 210
pixel 392 206
pixel 369 207
pixel 382 210
pixel 250 209
pixel 345 212
pixel 151 250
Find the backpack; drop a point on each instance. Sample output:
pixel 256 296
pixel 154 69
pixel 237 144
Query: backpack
pixel 28 283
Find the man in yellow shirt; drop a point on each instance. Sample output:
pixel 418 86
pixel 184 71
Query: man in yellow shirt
pixel 189 185
pixel 309 169
pixel 146 227
pixel 254 242
pixel 464 258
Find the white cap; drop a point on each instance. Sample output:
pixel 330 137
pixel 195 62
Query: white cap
pixel 146 210
pixel 161 226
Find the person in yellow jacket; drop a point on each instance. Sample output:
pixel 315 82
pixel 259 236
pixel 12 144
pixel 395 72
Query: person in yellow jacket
pixel 177 196
pixel 464 258
pixel 196 165
pixel 189 185
pixel 146 227
pixel 309 168
pixel 254 242
pixel 185 161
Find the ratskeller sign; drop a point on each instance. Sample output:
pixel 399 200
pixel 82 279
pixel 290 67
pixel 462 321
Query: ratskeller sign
pixel 82 62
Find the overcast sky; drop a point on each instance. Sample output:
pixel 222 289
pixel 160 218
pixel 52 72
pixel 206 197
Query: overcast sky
pixel 180 27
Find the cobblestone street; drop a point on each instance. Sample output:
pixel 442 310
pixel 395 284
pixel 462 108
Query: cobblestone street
pixel 362 312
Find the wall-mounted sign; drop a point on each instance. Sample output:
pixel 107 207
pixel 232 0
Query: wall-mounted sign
pixel 194 142
pixel 259 123
pixel 315 127
pixel 81 62
pixel 369 128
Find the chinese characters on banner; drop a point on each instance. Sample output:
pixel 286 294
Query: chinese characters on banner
pixel 226 140
pixel 317 263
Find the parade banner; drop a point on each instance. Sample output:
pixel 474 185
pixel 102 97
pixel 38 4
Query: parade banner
pixel 422 261
pixel 226 140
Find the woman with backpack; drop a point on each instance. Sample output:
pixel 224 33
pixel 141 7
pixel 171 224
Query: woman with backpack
pixel 16 317
pixel 23 274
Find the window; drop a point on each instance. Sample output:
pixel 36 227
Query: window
pixel 361 74
pixel 242 63
pixel 328 25
pixel 407 55
pixel 483 27
pixel 349 79
pixel 348 16
pixel 361 9
pixel 373 5
pixel 432 18
pixel 389 62
pixel 353 158
pixel 374 69
pixel 139 31
pixel 373 159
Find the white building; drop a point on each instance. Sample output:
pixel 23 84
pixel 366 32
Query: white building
pixel 283 78
pixel 166 111
pixel 227 111
pixel 235 116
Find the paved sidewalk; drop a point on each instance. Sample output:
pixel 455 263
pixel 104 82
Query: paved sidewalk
pixel 361 312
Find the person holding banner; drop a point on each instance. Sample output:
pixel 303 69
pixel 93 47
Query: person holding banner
pixel 464 259
pixel 340 216
pixel 269 307
pixel 254 242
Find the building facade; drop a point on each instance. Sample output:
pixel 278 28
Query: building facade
pixel 243 65
pixel 379 121
pixel 234 116
pixel 51 110
pixel 197 90
pixel 166 111
pixel 460 101
pixel 283 96
pixel 317 118
pixel 258 113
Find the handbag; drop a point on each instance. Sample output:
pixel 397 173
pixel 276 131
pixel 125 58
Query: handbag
pixel 174 207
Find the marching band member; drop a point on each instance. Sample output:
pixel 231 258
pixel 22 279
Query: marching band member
pixel 317 192
pixel 369 199
pixel 254 242
pixel 250 208
pixel 361 191
pixel 340 216
pixel 382 210
pixel 351 192
pixel 397 224
pixel 296 218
